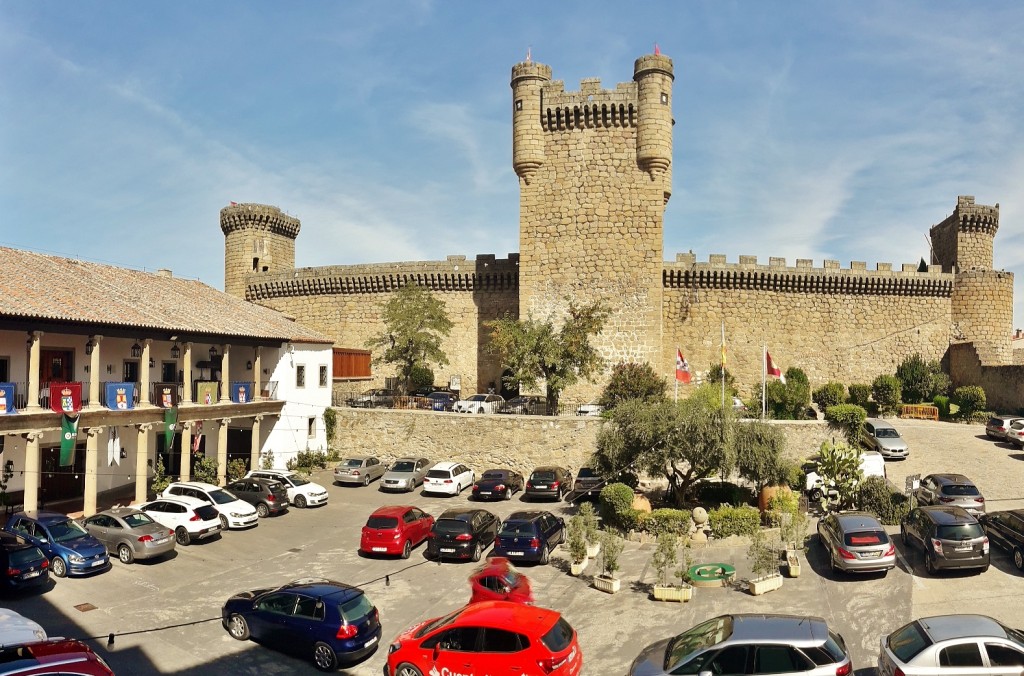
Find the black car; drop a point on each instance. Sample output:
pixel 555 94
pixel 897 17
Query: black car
pixel 324 620
pixel 442 401
pixel 24 565
pixel 1006 531
pixel 266 495
pixel 949 537
pixel 529 536
pixel 588 483
pixel 497 484
pixel 462 533
pixel 525 404
pixel 548 482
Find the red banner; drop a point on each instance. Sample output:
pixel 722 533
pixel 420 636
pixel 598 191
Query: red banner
pixel 66 397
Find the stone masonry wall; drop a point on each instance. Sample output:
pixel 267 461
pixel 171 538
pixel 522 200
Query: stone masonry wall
pixel 983 310
pixel 1003 384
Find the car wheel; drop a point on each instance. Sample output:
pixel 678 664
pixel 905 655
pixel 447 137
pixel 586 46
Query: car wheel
pixel 407 549
pixel 182 537
pixel 300 501
pixel 125 554
pixel 324 657
pixel 545 556
pixel 929 565
pixel 814 495
pixel 406 669
pixel 366 480
pixel 1018 558
pixel 458 491
pixel 476 552
pixel 262 510
pixel 238 628
pixel 58 567
pixel 223 522
pixel 983 569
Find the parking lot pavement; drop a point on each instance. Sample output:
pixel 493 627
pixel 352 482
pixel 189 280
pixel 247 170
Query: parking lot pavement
pixel 322 542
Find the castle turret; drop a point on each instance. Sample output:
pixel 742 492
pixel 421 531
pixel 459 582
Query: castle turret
pixel 964 240
pixel 527 134
pixel 653 75
pixel 257 239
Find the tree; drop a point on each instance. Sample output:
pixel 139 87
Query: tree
pixel 759 449
pixel 922 380
pixel 839 465
pixel 789 400
pixel 715 377
pixel 848 419
pixel 630 380
pixel 829 394
pixel 970 399
pixel 885 390
pixel 533 350
pixel 415 322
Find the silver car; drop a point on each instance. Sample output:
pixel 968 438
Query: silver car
pixel 749 644
pixel 950 489
pixel 359 469
pixel 405 474
pixel 879 435
pixel 130 534
pixel 856 542
pixel 952 644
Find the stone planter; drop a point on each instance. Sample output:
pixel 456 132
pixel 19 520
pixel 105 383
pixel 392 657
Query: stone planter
pixel 577 568
pixel 792 564
pixel 593 550
pixel 763 585
pixel 670 592
pixel 607 584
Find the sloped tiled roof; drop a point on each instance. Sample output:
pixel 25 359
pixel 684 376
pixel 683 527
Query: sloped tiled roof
pixel 39 286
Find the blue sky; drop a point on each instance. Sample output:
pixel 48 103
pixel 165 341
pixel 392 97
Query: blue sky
pixel 803 129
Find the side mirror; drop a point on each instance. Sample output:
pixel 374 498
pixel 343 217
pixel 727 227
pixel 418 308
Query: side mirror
pixel 561 522
pixel 437 651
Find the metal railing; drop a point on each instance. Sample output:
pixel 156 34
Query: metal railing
pixel 564 408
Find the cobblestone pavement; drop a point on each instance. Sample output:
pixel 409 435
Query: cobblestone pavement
pixel 193 585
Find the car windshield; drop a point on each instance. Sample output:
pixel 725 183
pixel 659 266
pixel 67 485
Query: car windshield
pixel 543 476
pixel 866 538
pixel 700 637
pixel 493 475
pixel 886 433
pixel 207 513
pixel 586 473
pixel 442 621
pixel 352 462
pixel 62 531
pixel 439 474
pixel 356 609
pixel 478 397
pixel 222 497
pixel 25 557
pixel 516 528
pixel 960 531
pixel 295 480
pixel 403 467
pixel 382 522
pixel 137 519
pixel 908 641
pixel 455 526
pixel 960 489
pixel 558 637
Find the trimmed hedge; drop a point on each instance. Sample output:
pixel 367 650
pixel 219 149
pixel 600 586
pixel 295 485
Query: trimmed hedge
pixel 724 493
pixel 728 520
pixel 971 399
pixel 829 394
pixel 877 496
pixel 942 403
pixel 847 418
pixel 616 505
pixel 675 521
pixel 860 394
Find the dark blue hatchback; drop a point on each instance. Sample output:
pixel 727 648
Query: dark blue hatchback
pixel 529 536
pixel 68 546
pixel 326 621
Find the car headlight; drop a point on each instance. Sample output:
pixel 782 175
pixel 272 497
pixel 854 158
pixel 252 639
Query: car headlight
pixel 238 515
pixel 394 646
pixel 75 558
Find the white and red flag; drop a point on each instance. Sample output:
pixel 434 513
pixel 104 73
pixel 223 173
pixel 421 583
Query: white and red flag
pixel 682 367
pixel 772 369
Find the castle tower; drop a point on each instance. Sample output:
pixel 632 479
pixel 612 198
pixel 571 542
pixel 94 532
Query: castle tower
pixel 257 239
pixel 595 173
pixel 963 241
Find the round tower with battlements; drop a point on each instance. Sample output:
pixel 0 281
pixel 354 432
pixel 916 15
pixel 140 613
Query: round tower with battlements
pixel 258 238
pixel 527 134
pixel 653 76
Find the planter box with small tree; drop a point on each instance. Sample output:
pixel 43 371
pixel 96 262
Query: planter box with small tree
pixel 784 512
pixel 611 547
pixel 665 559
pixel 591 534
pixel 764 562
pixel 577 544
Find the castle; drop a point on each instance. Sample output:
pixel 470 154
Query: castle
pixel 595 174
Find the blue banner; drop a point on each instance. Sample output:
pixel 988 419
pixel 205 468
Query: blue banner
pixel 241 392
pixel 120 396
pixel 7 398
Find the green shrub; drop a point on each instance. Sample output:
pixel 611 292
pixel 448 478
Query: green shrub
pixel 796 479
pixel 420 378
pixel 921 379
pixel 971 399
pixel 728 520
pixel 860 394
pixel 942 403
pixel 829 394
pixel 846 418
pixel 267 459
pixel 307 461
pixel 630 380
pixel 160 479
pixel 236 469
pixel 674 521
pixel 887 391
pixel 877 496
pixel 205 470
pixel 616 505
pixel 723 493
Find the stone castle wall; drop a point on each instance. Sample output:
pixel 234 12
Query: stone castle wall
pixel 970 365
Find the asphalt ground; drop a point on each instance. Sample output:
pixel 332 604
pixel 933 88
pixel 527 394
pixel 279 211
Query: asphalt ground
pixel 166 614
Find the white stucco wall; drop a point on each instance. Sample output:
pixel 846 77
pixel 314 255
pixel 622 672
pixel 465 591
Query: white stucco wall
pixel 290 434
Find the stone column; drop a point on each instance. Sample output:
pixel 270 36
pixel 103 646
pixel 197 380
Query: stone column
pixel 32 463
pixel 144 370
pixel 222 452
pixel 92 457
pixel 254 454
pixel 33 372
pixel 94 373
pixel 225 376
pixel 257 370
pixel 185 469
pixel 141 465
pixel 186 393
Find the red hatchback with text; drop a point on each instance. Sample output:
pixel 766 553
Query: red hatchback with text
pixel 490 637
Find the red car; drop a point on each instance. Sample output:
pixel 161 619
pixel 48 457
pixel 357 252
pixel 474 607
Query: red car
pixel 395 530
pixel 492 637
pixel 498 580
pixel 57 656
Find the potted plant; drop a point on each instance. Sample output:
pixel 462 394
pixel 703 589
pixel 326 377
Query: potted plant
pixel 792 522
pixel 590 533
pixel 611 547
pixel 577 544
pixel 665 559
pixel 764 562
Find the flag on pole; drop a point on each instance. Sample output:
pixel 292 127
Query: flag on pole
pixel 113 448
pixel 68 439
pixel 682 368
pixel 772 369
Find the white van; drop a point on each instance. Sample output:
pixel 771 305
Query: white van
pixel 871 464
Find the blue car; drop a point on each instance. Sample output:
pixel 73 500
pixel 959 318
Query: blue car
pixel 70 548
pixel 326 621
pixel 529 536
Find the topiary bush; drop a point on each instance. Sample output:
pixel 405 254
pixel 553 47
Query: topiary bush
pixel 723 493
pixel 877 496
pixel 616 506
pixel 887 391
pixel 860 394
pixel 941 402
pixel 846 418
pixel 829 394
pixel 673 521
pixel 728 520
pixel 971 400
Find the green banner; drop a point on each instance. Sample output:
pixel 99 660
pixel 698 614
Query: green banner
pixel 170 419
pixel 68 440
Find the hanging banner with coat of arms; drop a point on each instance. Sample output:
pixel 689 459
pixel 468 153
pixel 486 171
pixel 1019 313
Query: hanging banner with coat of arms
pixel 166 394
pixel 120 396
pixel 66 397
pixel 241 392
pixel 7 398
pixel 68 439
pixel 206 392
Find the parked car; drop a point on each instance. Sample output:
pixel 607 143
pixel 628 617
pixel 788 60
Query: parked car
pixel 359 469
pixel 948 537
pixel 492 637
pixel 498 580
pixel 374 398
pixel 479 403
pixel 1006 531
pixel 856 542
pixel 462 533
pixel 268 496
pixel 548 481
pixel 395 530
pixel 749 644
pixel 529 536
pixel 951 644
pixel 592 409
pixel 24 566
pixel 234 513
pixel 301 491
pixel 15 628
pixel 324 620
pixel 588 483
pixel 525 404
pixel 47 657
pixel 404 475
pixel 448 477
pixel 130 533
pixel 998 425
pixel 879 435
pixel 498 484
pixel 191 519
pixel 950 489
pixel 1015 434
pixel 442 401
pixel 68 546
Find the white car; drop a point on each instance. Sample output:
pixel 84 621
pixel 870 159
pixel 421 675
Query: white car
pixel 1015 433
pixel 190 518
pixel 448 477
pixel 301 491
pixel 951 644
pixel 479 403
pixel 234 513
pixel 16 628
pixel 591 409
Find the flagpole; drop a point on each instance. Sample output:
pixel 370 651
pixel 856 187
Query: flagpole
pixel 764 379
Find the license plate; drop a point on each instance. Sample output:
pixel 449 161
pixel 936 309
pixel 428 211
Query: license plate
pixel 540 486
pixel 370 642
pixel 871 555
pixel 31 574
pixel 97 563
pixel 160 541
pixel 447 551
pixel 964 549
pixel 515 553
pixel 379 549
pixel 485 492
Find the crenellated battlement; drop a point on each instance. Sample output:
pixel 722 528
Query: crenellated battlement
pixel 251 216
pixel 589 108
pixel 963 240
